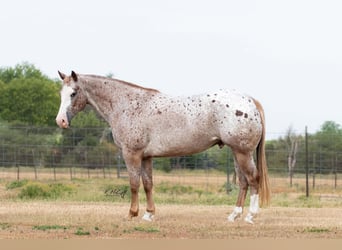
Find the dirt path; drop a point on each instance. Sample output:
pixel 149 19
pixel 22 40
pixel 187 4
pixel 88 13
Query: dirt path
pixel 59 220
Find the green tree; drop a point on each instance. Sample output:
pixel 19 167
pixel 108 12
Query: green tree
pixel 21 71
pixel 27 96
pixel 2 86
pixel 327 145
pixel 330 136
pixel 32 101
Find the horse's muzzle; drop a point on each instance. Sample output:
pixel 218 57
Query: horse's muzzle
pixel 63 121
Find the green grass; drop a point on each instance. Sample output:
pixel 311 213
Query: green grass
pixel 166 192
pixel 146 229
pixel 4 226
pixel 49 227
pixel 317 230
pixel 16 184
pixel 81 232
pixel 37 190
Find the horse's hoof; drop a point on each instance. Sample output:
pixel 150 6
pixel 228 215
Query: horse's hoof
pixel 148 216
pixel 249 218
pixel 233 216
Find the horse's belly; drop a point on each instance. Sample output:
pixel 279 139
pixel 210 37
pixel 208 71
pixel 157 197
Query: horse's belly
pixel 170 145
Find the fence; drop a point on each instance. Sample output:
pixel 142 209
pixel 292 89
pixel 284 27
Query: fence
pixel 52 153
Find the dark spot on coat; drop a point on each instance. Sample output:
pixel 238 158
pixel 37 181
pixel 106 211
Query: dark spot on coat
pixel 246 115
pixel 227 105
pixel 159 112
pixel 238 113
pixel 213 101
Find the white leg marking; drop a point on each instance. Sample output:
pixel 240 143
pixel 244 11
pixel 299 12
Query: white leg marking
pixel 235 214
pixel 253 208
pixel 148 216
pixel 249 218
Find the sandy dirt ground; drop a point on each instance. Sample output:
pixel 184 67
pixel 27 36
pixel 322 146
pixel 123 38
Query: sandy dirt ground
pixel 65 220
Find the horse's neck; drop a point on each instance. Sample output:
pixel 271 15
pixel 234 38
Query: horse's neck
pixel 110 97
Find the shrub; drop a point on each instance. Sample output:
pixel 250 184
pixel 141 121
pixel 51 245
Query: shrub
pixel 44 191
pixel 16 184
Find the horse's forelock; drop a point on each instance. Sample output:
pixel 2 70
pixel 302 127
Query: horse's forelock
pixel 67 80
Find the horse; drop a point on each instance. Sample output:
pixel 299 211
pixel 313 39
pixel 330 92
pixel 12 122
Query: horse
pixel 146 123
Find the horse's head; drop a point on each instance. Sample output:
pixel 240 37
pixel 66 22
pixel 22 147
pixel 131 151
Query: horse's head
pixel 73 99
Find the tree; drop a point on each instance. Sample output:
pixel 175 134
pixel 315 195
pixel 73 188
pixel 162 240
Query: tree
pixel 27 96
pixel 292 148
pixel 21 71
pixel 329 143
pixel 30 100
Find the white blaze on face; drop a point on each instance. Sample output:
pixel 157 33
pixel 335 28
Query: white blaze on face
pixel 62 118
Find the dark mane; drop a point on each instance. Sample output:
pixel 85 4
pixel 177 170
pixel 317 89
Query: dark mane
pixel 122 82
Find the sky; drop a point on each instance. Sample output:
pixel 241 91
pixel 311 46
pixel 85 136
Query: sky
pixel 287 54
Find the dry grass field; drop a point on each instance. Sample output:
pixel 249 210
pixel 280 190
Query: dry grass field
pixel 64 220
pixel 187 208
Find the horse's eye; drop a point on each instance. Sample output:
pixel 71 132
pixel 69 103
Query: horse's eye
pixel 73 94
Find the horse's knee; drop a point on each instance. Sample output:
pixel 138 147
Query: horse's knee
pixel 134 188
pixel 148 187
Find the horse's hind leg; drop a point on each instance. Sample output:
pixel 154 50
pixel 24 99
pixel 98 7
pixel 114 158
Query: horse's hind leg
pixel 242 193
pixel 248 176
pixel 148 186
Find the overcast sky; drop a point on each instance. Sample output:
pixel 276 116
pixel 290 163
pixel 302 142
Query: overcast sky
pixel 287 54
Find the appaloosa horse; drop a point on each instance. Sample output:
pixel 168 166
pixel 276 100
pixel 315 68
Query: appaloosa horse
pixel 146 123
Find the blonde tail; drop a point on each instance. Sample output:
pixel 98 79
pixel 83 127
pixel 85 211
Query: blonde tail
pixel 264 185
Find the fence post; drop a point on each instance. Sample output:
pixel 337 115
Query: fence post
pixel 118 166
pixel 18 172
pixel 306 162
pixel 228 189
pixel 17 164
pixel 335 172
pixel 53 165
pixel 314 171
pixel 34 165
pixel 103 165
pixel 70 170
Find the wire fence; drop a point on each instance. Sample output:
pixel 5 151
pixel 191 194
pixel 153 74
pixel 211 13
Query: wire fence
pixel 54 154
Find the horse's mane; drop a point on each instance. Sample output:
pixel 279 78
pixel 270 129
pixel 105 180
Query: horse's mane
pixel 122 82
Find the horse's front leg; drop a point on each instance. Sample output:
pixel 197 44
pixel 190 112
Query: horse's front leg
pixel 148 186
pixel 133 164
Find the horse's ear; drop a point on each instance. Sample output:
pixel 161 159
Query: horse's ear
pixel 74 76
pixel 61 75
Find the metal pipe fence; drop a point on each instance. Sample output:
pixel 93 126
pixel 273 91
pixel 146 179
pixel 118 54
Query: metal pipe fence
pixel 50 153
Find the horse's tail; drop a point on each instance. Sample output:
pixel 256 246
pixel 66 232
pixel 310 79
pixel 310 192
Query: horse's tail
pixel 264 186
